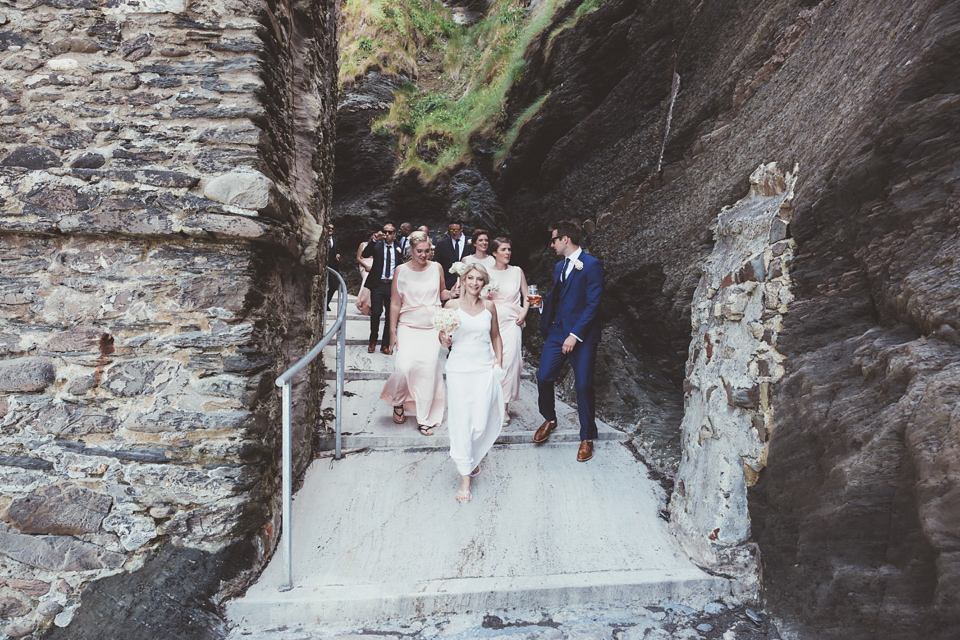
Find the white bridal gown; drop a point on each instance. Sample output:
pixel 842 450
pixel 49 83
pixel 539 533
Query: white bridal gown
pixel 474 392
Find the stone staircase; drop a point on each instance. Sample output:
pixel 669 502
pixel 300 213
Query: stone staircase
pixel 379 536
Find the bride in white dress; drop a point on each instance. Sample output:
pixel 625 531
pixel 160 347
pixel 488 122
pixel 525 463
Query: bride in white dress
pixel 474 376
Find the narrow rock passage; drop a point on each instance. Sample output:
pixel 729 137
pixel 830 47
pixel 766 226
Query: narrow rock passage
pixel 378 537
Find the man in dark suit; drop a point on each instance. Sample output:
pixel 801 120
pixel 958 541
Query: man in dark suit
pixel 570 324
pixel 403 239
pixel 333 261
pixel 452 249
pixel 386 258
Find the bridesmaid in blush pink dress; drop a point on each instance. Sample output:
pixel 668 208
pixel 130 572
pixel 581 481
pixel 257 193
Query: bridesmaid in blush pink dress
pixel 512 307
pixel 416 385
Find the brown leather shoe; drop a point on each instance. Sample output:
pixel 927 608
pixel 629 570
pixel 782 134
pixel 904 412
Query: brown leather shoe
pixel 544 431
pixel 386 350
pixel 586 450
pixel 371 347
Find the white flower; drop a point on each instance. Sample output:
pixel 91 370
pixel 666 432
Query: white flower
pixel 458 268
pixel 493 286
pixel 577 265
pixel 446 320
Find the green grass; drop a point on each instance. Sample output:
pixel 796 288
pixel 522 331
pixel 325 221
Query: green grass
pixel 385 35
pixel 435 132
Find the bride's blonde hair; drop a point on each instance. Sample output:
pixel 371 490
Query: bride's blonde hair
pixel 476 266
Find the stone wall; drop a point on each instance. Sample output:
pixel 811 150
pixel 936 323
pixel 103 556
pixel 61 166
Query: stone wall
pixel 731 371
pixel 165 170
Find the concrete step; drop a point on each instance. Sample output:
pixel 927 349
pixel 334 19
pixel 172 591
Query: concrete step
pixel 379 535
pixel 368 422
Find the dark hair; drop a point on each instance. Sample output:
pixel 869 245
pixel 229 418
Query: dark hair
pixel 567 228
pixel 478 233
pixel 458 221
pixel 496 242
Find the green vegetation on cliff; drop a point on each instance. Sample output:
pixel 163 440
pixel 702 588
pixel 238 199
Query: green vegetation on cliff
pixel 435 130
pixel 385 36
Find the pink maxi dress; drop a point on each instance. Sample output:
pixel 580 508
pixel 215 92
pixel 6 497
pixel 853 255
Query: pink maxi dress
pixel 509 307
pixel 417 379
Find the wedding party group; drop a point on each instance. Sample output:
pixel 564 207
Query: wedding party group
pixel 466 296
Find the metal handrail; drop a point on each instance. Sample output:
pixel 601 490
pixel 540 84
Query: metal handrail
pixel 286 524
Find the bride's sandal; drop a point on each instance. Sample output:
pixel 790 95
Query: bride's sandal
pixel 425 430
pixel 398 416
pixel 463 497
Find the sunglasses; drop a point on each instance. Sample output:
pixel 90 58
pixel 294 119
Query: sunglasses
pixel 389 231
pixel 454 228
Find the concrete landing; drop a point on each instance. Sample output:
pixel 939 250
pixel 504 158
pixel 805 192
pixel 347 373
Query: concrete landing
pixel 379 536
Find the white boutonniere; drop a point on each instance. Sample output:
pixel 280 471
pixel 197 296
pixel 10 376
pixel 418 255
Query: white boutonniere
pixel 577 265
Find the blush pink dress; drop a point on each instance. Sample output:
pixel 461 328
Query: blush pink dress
pixel 417 379
pixel 509 307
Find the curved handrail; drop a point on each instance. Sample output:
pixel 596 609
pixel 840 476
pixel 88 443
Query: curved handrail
pixel 286 525
pixel 311 356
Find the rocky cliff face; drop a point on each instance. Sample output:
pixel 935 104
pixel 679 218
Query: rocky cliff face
pixel 855 511
pixel 164 170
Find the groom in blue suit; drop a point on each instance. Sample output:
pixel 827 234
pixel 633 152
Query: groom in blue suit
pixel 570 324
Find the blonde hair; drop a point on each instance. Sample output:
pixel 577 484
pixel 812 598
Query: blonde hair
pixel 476 266
pixel 414 239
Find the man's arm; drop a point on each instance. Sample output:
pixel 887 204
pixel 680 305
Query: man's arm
pixel 369 249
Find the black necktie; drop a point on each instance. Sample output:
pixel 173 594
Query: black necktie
pixel 387 261
pixel 456 248
pixel 563 271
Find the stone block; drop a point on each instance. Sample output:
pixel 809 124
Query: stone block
pixel 60 509
pixel 133 529
pixel 30 157
pixel 25 375
pixel 13 607
pixel 32 588
pixel 58 553
pixel 247 190
pixel 66 419
pixel 20 629
pixel 146 376
pixel 49 609
pixel 77 339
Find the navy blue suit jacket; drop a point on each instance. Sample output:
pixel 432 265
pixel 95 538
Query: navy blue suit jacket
pixel 574 306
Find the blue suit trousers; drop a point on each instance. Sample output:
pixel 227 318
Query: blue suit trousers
pixel 583 359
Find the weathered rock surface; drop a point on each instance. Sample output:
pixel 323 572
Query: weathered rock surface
pixel 851 510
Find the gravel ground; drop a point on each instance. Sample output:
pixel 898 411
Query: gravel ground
pixel 715 622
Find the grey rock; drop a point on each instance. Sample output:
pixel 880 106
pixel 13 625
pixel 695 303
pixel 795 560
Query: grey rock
pixel 88 160
pixel 66 419
pixel 13 607
pixel 60 509
pixel 714 608
pixel 61 198
pixel 58 553
pixel 25 375
pixel 50 608
pixel 31 158
pixel 20 629
pixel 145 376
pixel 248 190
pixel 26 462
pixel 125 81
pixel 704 627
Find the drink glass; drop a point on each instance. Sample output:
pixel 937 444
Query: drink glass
pixel 533 295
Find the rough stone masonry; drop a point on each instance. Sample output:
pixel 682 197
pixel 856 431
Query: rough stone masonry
pixel 164 172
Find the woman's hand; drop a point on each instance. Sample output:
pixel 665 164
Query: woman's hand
pixel 445 339
pixel 393 343
pixel 522 317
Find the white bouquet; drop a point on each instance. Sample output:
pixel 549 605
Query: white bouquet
pixel 446 320
pixel 458 268
pixel 490 288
